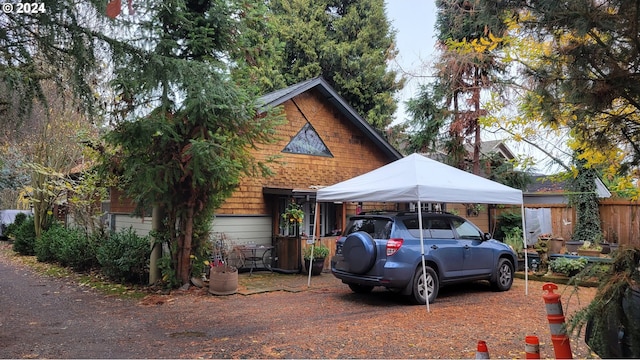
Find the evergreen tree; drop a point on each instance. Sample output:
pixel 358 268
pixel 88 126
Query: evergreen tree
pixel 349 43
pixel 188 153
pixel 469 32
pixel 54 43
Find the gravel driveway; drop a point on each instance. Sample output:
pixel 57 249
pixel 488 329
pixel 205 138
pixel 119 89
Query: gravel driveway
pixel 273 316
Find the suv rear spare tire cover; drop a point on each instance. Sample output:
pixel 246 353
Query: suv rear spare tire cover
pixel 359 251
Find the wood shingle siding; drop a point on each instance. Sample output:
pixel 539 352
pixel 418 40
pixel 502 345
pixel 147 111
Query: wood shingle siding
pixel 353 155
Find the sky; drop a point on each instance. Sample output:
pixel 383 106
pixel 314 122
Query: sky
pixel 414 22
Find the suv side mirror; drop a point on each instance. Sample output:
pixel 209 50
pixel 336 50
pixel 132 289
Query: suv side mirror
pixel 487 236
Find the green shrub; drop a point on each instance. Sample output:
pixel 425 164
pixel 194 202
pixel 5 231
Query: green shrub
pixel 506 223
pixel 513 238
pixel 25 237
pixel 10 230
pixel 568 266
pixel 68 247
pixel 77 250
pixel 46 246
pixel 124 256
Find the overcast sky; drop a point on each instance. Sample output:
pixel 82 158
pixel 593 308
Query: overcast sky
pixel 414 22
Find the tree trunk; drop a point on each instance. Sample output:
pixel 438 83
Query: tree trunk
pixel 476 125
pixel 184 248
pixel 156 248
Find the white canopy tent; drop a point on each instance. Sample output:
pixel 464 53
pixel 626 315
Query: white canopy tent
pixel 417 178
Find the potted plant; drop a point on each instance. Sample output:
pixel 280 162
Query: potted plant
pixel 320 252
pixel 555 243
pixel 567 266
pixel 589 249
pixel 223 275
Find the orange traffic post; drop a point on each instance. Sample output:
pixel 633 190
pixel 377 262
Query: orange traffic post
pixel 531 347
pixel 555 316
pixel 482 352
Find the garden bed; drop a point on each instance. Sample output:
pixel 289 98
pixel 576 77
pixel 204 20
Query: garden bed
pixel 590 259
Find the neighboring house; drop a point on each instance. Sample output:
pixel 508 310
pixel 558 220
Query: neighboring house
pixel 324 141
pixel 486 149
pixel 545 189
pixel 547 207
pixel 492 146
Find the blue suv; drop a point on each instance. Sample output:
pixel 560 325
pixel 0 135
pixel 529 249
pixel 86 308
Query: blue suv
pixel 384 250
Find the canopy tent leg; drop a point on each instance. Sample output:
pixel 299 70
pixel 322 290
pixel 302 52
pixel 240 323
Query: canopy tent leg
pixel 313 238
pixel 424 266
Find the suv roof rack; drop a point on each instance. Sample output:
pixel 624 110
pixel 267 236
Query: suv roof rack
pixel 424 212
pixel 402 213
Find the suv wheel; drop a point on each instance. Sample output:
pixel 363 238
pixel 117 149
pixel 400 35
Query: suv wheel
pixel 359 251
pixel 360 289
pixel 504 276
pixel 418 291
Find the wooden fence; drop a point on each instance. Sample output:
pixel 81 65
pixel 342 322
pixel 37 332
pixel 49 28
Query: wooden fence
pixel 619 220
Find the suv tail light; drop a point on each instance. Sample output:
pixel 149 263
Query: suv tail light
pixel 393 245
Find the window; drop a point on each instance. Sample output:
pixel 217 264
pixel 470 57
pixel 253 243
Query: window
pixel 377 228
pixel 431 228
pixel 466 230
pixel 307 142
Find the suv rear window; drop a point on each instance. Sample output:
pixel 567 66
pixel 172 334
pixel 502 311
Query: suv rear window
pixel 431 228
pixel 378 228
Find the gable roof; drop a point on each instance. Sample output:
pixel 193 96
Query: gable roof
pixel 492 146
pixel 279 97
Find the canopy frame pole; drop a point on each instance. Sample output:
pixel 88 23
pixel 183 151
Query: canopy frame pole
pixel 424 266
pixel 313 244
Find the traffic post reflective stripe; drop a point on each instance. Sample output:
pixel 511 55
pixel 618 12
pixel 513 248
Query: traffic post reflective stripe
pixel 531 347
pixel 482 351
pixel 555 316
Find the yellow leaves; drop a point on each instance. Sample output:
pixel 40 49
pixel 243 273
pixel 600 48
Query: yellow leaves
pixel 479 45
pixel 485 44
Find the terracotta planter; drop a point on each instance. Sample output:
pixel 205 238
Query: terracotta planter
pixel 589 252
pixel 223 281
pixel 555 245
